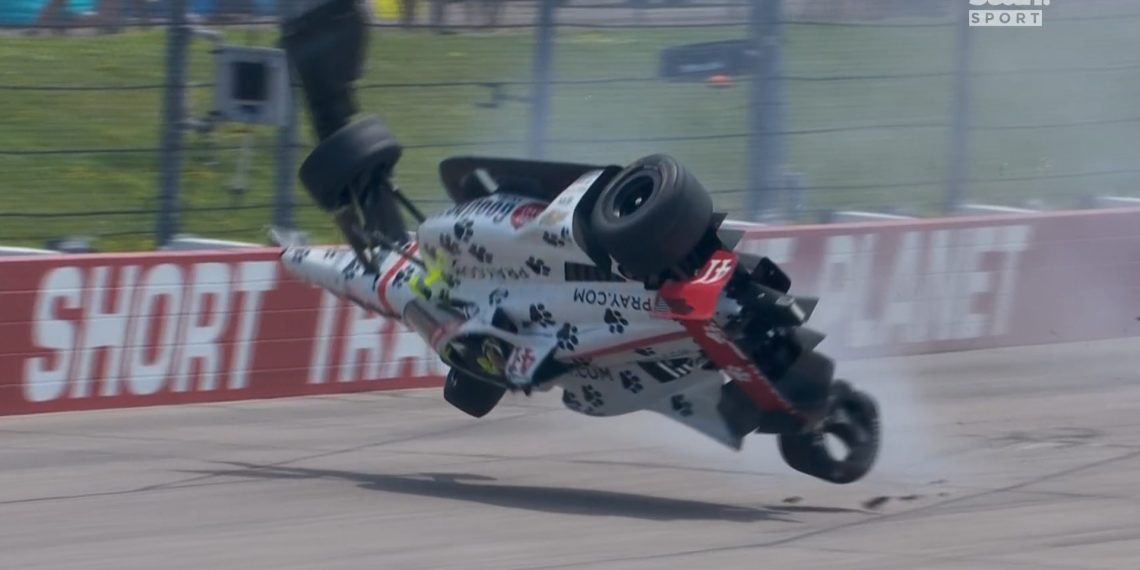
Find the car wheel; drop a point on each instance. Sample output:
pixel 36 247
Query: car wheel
pixel 806 382
pixel 474 396
pixel 652 217
pixel 356 149
pixel 854 421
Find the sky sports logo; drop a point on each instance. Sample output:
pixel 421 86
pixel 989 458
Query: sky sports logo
pixel 1008 13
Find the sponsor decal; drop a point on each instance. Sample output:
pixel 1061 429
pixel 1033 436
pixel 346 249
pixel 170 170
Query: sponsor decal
pixel 357 345
pixel 122 330
pixel 492 359
pixel 114 335
pixel 522 361
pixel 525 213
pixel 716 271
pixel 665 371
pixel 165 327
pixel 495 208
pixel 501 273
pixel 696 299
pixel 603 298
pixel 593 372
pixel 910 286
pixel 736 365
pixel 553 217
pixel 575 191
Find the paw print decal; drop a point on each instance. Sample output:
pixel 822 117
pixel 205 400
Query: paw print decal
pixel 480 253
pixel 681 405
pixel 630 381
pixel 540 316
pixel 351 269
pixel 646 351
pixel 497 297
pixel 401 278
pixel 616 322
pixel 538 266
pixel 556 239
pixel 464 230
pixel 300 255
pixel 571 401
pixel 593 396
pixel 448 243
pixel 567 337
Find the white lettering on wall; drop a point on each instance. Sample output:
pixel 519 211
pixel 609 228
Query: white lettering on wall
pixel 168 327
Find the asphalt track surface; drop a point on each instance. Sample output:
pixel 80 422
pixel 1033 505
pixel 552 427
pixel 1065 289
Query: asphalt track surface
pixel 1022 458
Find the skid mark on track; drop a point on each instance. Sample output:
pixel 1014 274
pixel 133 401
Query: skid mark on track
pixel 917 512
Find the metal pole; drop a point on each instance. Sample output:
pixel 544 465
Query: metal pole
pixel 765 140
pixel 957 185
pixel 177 43
pixel 285 163
pixel 286 159
pixel 540 94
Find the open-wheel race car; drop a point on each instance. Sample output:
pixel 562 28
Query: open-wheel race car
pixel 615 285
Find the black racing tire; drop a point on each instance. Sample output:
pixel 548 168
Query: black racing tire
pixel 808 453
pixel 807 382
pixel 652 216
pixel 473 396
pixel 354 149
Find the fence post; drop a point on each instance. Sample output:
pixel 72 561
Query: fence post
pixel 958 177
pixel 540 92
pixel 765 138
pixel 173 108
pixel 285 161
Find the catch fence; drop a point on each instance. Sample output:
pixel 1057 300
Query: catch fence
pixel 876 105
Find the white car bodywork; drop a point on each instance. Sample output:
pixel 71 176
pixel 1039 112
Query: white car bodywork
pixel 510 257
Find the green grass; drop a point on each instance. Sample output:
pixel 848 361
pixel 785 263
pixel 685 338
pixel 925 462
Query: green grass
pixel 1009 165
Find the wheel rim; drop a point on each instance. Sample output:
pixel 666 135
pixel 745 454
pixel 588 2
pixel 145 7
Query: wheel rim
pixel 633 195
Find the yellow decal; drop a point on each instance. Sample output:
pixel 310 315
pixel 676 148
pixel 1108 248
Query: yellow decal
pixel 422 282
pixel 492 360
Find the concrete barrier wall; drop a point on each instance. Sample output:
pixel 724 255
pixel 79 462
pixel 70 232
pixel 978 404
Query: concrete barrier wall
pixel 107 331
pixel 922 286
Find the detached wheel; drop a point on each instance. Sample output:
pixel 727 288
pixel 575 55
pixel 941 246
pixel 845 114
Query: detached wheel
pixel 354 150
pixel 475 397
pixel 853 421
pixel 652 216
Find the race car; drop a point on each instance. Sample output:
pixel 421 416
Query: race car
pixel 615 286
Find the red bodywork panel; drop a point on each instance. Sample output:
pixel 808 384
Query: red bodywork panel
pixel 695 299
pixel 693 304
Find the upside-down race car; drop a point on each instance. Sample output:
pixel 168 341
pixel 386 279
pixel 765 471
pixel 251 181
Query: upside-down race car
pixel 617 286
